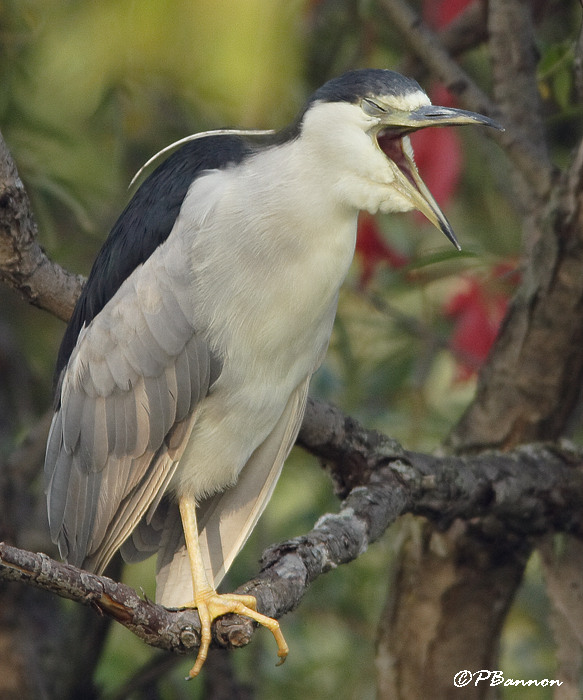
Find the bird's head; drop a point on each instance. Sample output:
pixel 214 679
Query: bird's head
pixel 360 121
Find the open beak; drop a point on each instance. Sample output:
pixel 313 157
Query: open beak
pixel 393 140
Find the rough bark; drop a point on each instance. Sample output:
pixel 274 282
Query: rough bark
pixel 531 384
pixel 24 265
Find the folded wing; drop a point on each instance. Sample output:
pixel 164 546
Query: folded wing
pixel 128 399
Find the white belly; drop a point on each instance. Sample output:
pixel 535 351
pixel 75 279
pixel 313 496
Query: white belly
pixel 269 318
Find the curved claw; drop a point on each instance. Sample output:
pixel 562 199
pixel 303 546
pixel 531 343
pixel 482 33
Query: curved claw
pixel 211 605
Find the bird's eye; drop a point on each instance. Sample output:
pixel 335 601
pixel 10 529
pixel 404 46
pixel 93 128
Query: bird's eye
pixel 371 108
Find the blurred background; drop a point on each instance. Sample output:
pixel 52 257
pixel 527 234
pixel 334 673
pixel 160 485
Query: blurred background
pixel 89 91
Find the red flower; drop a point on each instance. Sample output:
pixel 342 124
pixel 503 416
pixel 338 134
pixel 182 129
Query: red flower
pixel 373 250
pixel 477 312
pixel 439 13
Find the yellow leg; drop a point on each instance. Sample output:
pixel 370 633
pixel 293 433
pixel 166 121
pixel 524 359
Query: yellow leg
pixel 208 602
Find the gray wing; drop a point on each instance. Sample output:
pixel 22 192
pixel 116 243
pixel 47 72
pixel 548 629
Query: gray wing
pixel 128 400
pixel 225 520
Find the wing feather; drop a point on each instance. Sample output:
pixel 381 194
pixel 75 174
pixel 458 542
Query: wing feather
pixel 141 499
pixel 156 405
pixel 127 405
pixel 196 367
pixel 183 380
pixel 58 493
pixel 100 375
pixel 70 420
pixel 84 452
pixel 126 424
pixel 166 335
pixel 101 435
pixel 122 372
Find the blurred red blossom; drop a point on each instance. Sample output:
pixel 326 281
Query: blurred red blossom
pixel 477 311
pixel 439 13
pixel 372 249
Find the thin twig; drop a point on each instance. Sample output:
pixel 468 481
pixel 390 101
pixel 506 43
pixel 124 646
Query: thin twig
pixel 466 31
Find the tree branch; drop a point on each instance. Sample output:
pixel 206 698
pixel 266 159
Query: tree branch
pixel 24 265
pixel 466 31
pixel 525 392
pixel 532 490
pixel 177 630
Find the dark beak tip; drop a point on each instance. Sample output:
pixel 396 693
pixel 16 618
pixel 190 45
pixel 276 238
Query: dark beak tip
pixel 492 123
pixel 455 243
pixel 450 235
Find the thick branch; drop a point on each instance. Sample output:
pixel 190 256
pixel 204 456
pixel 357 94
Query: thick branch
pixel 529 491
pixel 24 265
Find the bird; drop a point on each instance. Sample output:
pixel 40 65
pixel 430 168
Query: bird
pixel 182 377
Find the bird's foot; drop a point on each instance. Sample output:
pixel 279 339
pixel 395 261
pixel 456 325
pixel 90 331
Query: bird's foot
pixel 211 605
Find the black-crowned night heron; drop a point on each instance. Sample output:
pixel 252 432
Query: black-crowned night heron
pixel 184 371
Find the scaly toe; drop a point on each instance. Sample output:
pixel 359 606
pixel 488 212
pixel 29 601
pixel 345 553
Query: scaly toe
pixel 211 605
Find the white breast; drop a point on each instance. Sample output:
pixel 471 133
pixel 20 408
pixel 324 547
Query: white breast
pixel 267 268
